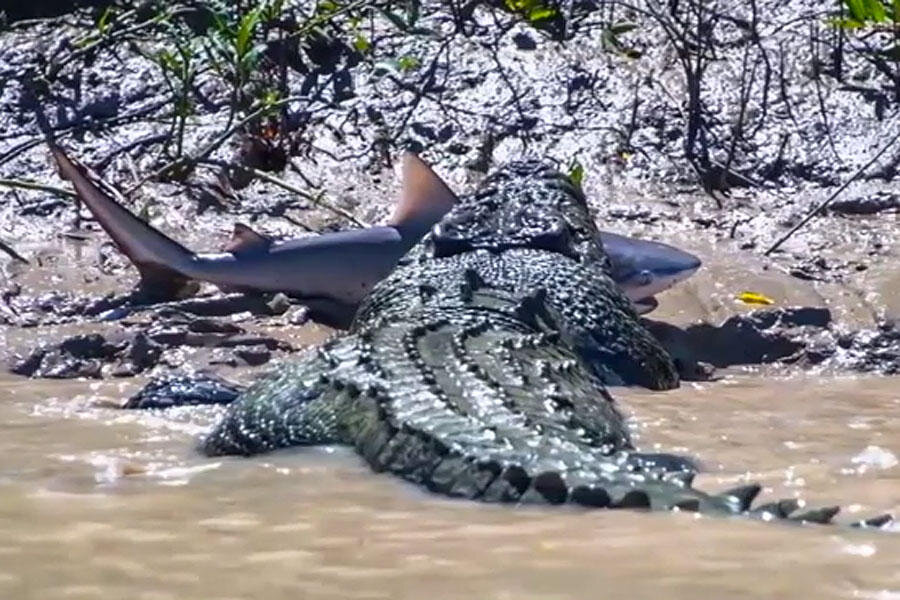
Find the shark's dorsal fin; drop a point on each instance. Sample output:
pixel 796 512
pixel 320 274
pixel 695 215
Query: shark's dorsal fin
pixel 424 199
pixel 245 240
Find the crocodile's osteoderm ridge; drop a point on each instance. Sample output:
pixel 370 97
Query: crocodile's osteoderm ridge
pixel 477 368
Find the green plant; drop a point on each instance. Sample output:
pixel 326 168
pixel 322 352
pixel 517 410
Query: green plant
pixel 863 13
pixel 535 12
pixel 234 48
pixel 180 69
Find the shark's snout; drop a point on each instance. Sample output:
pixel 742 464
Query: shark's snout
pixel 644 268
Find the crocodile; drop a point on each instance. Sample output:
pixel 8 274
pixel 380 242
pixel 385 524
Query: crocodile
pixel 478 368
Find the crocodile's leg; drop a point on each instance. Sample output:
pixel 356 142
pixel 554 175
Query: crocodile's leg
pixel 185 390
pixel 601 324
pixel 299 405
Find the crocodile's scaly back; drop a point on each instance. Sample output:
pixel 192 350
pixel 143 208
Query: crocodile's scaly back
pixel 477 368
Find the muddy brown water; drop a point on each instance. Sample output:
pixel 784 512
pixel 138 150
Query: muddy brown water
pixel 97 502
pixel 100 503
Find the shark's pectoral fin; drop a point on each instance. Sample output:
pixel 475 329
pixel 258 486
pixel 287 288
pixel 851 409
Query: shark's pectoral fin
pixel 424 200
pixel 246 240
pixel 159 284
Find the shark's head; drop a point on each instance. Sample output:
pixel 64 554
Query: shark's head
pixel 644 268
pixel 524 204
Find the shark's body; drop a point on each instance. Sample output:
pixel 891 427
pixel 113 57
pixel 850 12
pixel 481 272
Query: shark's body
pixel 333 272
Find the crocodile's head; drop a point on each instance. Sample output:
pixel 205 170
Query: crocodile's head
pixel 526 204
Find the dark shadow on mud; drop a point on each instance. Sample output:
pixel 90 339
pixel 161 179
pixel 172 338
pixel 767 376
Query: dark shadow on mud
pixel 802 335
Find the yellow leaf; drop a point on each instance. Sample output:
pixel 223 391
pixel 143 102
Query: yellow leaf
pixel 754 298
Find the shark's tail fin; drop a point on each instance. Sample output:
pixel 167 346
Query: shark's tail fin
pixel 161 261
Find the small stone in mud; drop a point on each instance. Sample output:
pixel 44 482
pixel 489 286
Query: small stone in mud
pixel 279 304
pixel 254 355
pixel 129 469
pixel 298 315
pixel 56 365
pixel 77 356
pixel 867 205
pixel 141 354
pixel 168 336
pixel 30 364
pixel 523 41
pixel 212 326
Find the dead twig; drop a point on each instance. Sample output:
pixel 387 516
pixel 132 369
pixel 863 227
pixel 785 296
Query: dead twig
pixel 737 131
pixel 101 164
pixel 831 198
pixel 317 199
pixel 186 162
pixel 823 111
pixel 12 253
pixel 40 187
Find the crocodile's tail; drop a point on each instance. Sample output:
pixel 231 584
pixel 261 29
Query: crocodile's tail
pixel 536 443
pixel 430 459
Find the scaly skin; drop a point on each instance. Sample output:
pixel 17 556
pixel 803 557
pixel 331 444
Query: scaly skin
pixel 477 368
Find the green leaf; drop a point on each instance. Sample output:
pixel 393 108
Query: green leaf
pixel 270 97
pixel 245 32
pixel 408 63
pixel 103 21
pixel 361 44
pixel 542 13
pixel 846 23
pixel 576 173
pixel 326 7
pixel 533 10
pixel 87 40
pixel 273 10
pixel 857 9
pixel 622 28
pixel 875 10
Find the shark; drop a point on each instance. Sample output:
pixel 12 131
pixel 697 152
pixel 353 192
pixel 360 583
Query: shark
pixel 332 272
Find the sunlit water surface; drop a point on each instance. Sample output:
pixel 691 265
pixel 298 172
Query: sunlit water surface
pixel 97 502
